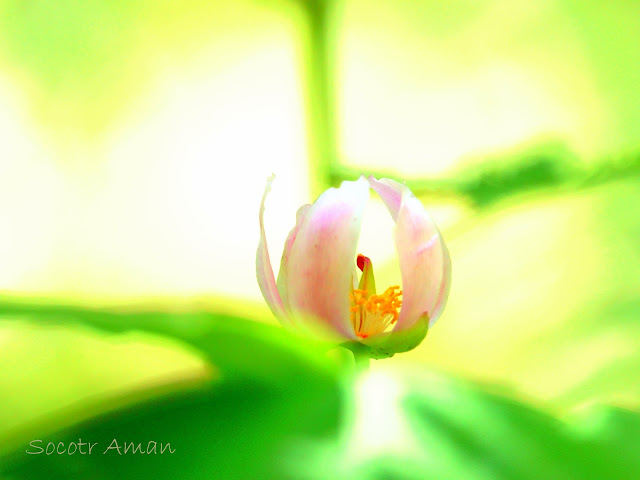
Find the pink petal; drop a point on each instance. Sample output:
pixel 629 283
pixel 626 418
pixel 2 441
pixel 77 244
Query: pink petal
pixel 441 302
pixel 286 253
pixel 390 192
pixel 264 272
pixel 425 263
pixel 319 269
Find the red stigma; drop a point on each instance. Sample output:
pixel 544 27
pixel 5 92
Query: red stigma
pixel 360 261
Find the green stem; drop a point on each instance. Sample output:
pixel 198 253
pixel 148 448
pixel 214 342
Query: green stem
pixel 361 357
pixel 319 90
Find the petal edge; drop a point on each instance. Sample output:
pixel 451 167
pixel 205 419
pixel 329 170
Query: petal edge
pixel 264 270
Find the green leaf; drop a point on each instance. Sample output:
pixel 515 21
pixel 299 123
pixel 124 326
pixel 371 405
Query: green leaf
pixel 484 435
pixel 232 431
pixel 269 389
pixel 235 345
pixel 430 426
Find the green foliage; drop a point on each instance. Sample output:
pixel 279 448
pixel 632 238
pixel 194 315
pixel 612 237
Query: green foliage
pixel 488 436
pixel 459 430
pixel 235 430
pixel 225 341
pixel 280 409
pixel 269 389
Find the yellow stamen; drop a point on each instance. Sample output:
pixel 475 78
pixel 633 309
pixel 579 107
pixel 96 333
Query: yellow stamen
pixel 373 314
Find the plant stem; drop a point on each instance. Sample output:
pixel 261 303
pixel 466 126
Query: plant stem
pixel 361 358
pixel 322 18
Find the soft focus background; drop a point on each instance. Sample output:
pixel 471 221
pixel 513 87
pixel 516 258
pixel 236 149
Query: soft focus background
pixel 135 142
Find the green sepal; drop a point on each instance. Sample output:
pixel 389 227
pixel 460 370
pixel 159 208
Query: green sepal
pixel 388 344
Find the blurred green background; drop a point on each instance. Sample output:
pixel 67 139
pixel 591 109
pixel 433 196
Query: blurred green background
pixel 135 141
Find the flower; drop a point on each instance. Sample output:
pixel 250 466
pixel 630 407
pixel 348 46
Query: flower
pixel 318 286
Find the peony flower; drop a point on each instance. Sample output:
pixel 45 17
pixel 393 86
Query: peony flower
pixel 324 286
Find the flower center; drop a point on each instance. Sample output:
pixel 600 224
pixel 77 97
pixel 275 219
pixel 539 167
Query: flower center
pixel 372 314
